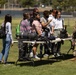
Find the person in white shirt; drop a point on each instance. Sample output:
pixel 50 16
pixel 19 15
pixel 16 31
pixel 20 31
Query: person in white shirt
pixel 59 24
pixel 52 23
pixel 51 27
pixel 8 40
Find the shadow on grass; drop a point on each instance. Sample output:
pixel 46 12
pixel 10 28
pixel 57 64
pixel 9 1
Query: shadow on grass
pixel 64 57
pixel 37 62
pixel 45 61
pixel 8 63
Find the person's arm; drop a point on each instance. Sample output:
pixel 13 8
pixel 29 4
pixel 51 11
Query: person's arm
pixel 10 31
pixel 52 25
pixel 45 24
pixel 52 30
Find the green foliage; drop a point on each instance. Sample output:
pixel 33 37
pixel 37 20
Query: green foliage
pixel 27 3
pixel 2 2
pixel 67 5
pixel 55 3
pixel 45 2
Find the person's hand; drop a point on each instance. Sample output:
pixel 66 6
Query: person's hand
pixel 50 20
pixel 17 37
pixel 12 43
pixel 51 32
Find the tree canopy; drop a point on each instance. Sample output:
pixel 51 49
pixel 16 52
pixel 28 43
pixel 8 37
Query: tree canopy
pixel 26 3
pixel 67 5
pixel 2 2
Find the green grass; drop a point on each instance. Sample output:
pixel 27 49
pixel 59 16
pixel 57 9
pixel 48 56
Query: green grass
pixel 44 67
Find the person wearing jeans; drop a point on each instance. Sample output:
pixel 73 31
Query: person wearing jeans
pixel 6 47
pixel 8 40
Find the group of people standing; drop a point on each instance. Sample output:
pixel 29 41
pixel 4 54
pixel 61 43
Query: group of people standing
pixel 50 25
pixel 55 24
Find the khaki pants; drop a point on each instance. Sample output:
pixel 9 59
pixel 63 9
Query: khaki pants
pixel 57 33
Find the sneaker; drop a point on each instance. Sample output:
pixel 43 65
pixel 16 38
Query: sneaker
pixel 36 57
pixel 31 54
pixel 46 55
pixel 54 55
pixel 58 54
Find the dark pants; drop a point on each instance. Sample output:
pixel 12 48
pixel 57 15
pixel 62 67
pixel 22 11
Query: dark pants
pixel 46 48
pixel 57 47
pixel 23 49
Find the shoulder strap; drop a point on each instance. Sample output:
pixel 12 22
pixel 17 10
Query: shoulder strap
pixel 3 27
pixel 63 23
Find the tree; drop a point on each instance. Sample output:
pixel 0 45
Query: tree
pixel 55 4
pixel 2 2
pixel 67 5
pixel 59 0
pixel 27 3
pixel 72 4
pixel 45 2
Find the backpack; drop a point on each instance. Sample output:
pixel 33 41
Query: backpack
pixel 63 33
pixel 74 35
pixel 18 30
pixel 2 33
pixel 25 33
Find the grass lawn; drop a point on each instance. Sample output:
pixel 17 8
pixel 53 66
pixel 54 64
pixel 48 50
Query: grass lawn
pixel 63 66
